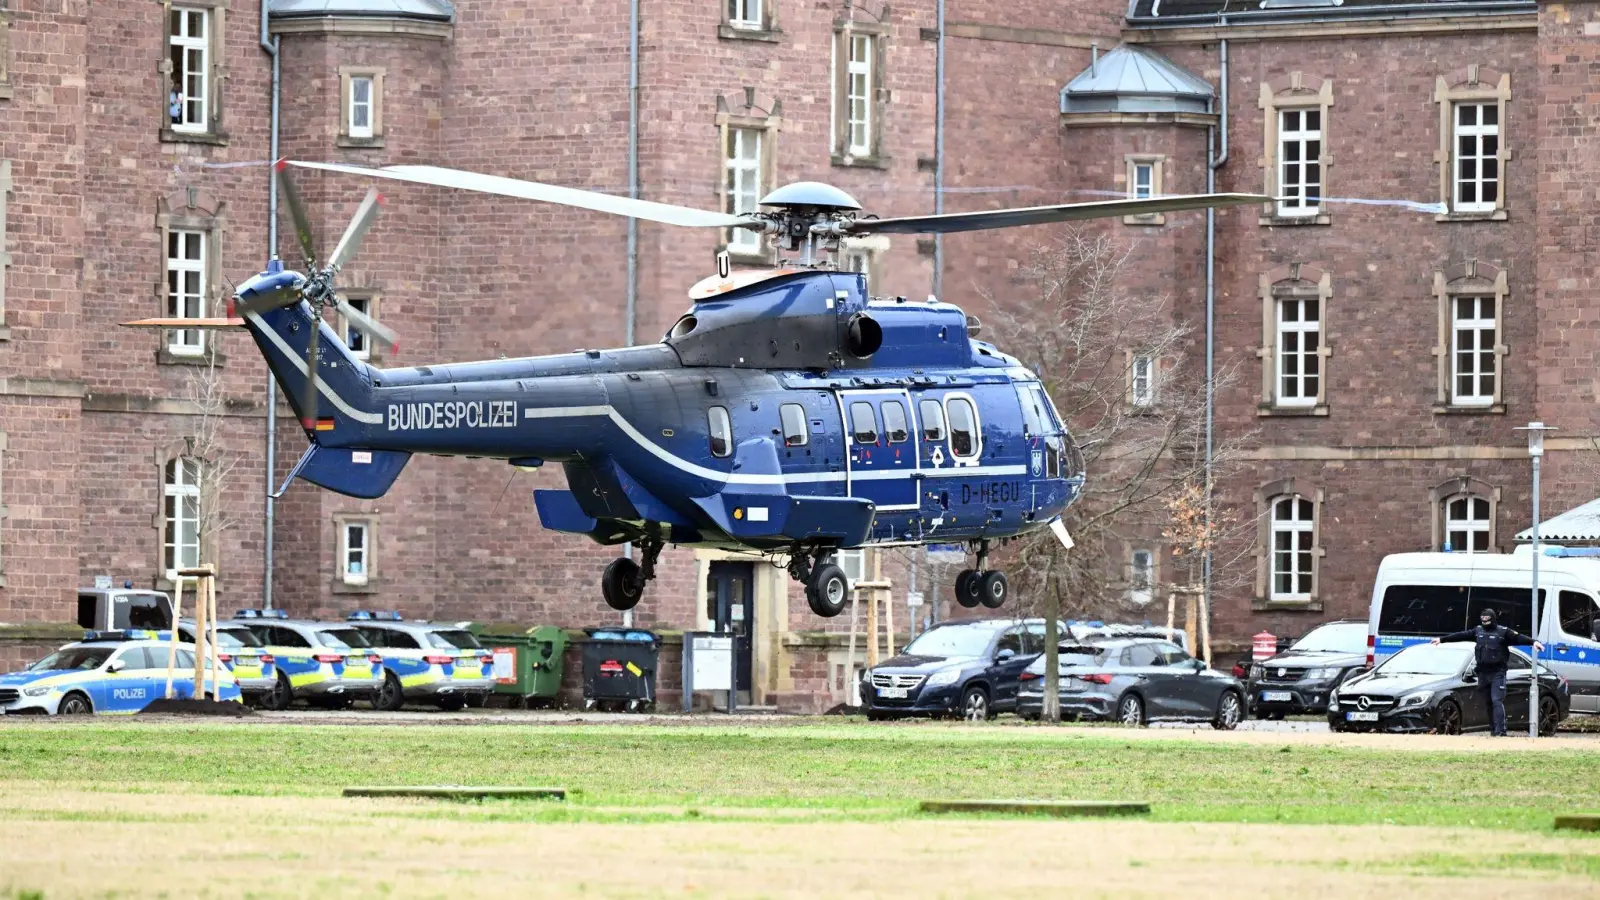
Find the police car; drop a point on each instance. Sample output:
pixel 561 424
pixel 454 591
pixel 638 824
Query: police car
pixel 241 651
pixel 428 662
pixel 107 672
pixel 326 664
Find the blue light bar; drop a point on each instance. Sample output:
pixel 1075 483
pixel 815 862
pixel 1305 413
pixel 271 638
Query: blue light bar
pixel 125 634
pixel 1575 552
pixel 374 615
pixel 260 614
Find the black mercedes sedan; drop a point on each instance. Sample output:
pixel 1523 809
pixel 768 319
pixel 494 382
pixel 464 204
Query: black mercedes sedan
pixel 1434 688
pixel 968 669
pixel 1136 682
pixel 1302 678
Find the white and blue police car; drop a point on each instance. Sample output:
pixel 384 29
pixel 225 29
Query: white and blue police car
pixel 107 672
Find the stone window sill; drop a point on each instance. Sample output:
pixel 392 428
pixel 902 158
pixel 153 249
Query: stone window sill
pixel 5 333
pixel 1320 409
pixel 215 139
pixel 165 357
pixel 1498 215
pixel 373 586
pixel 860 162
pixel 1260 604
pixel 1295 221
pixel 729 33
pixel 349 143
pixel 1495 409
pixel 5 94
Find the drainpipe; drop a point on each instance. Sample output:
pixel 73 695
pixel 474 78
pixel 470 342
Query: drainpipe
pixel 1214 161
pixel 269 43
pixel 938 157
pixel 633 193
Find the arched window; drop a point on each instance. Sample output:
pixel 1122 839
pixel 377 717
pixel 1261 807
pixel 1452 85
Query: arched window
pixel 181 511
pixel 1467 523
pixel 1293 539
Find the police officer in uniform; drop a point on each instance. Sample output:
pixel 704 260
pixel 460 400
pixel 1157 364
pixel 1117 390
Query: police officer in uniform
pixel 1494 642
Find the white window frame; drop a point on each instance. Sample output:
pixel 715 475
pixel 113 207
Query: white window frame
pixel 1477 132
pixel 742 176
pixel 858 93
pixel 746 15
pixel 181 77
pixel 854 564
pixel 1301 328
pixel 359 344
pixel 1470 525
pixel 181 486
pixel 364 132
pixel 1141 576
pixel 180 303
pixel 1295 527
pixel 950 432
pixel 1142 387
pixel 1142 184
pixel 1483 357
pixel 1300 139
pixel 347 553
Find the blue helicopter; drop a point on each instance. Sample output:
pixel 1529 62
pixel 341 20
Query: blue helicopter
pixel 786 412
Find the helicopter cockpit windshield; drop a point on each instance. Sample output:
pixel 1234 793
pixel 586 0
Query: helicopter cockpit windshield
pixel 1040 420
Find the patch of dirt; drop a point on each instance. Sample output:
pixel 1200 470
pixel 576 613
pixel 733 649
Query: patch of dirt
pixel 70 843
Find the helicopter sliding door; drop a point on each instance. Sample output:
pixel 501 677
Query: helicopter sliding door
pixel 883 462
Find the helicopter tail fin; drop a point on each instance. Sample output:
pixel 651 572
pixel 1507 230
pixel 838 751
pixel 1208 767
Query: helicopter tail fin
pixel 344 398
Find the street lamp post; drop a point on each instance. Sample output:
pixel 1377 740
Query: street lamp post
pixel 1535 432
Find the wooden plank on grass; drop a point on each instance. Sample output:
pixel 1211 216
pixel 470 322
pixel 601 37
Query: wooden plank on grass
pixel 1040 807
pixel 1581 822
pixel 448 792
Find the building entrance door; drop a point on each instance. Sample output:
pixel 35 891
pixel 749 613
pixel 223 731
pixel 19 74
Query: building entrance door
pixel 730 605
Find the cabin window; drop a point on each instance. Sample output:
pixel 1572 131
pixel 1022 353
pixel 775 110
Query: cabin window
pixel 864 423
pixel 932 420
pixel 794 425
pixel 964 437
pixel 721 431
pixel 894 421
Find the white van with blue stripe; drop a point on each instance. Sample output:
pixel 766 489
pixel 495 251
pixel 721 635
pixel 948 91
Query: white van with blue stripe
pixel 1421 596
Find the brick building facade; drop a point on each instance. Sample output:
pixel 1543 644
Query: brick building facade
pixel 122 198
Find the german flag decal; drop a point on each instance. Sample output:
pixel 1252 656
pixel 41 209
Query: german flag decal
pixel 324 424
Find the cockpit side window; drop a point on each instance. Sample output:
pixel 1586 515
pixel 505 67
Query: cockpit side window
pixel 1033 421
pixel 894 421
pixel 965 439
pixel 793 416
pixel 863 423
pixel 721 431
pixel 932 420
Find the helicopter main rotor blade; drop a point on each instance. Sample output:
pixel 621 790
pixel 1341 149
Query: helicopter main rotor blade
pixel 297 211
pixel 367 325
pixel 665 213
pixel 951 223
pixel 365 214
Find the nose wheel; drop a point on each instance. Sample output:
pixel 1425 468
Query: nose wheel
pixel 976 587
pixel 623 581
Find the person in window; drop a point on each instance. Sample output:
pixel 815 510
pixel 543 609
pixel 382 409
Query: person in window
pixel 1494 642
pixel 175 106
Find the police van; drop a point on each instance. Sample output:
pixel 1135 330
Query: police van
pixel 1421 596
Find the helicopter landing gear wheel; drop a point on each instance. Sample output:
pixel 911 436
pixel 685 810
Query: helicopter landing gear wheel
pixel 827 589
pixel 967 588
pixel 622 584
pixel 993 588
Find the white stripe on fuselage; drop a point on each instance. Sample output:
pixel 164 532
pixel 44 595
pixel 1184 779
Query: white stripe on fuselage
pixel 322 384
pixel 683 465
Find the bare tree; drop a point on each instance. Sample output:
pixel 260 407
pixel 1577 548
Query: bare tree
pixel 211 461
pixel 1120 367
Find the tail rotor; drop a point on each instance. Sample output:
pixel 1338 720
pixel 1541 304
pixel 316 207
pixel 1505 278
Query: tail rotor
pixel 317 288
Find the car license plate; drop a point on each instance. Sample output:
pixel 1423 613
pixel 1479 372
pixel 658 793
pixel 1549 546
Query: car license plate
pixel 1276 696
pixel 892 693
pixel 1361 717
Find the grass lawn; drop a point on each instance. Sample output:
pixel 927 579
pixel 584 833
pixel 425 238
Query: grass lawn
pixel 855 771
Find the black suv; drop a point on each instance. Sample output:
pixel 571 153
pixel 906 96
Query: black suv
pixel 1300 679
pixel 969 669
